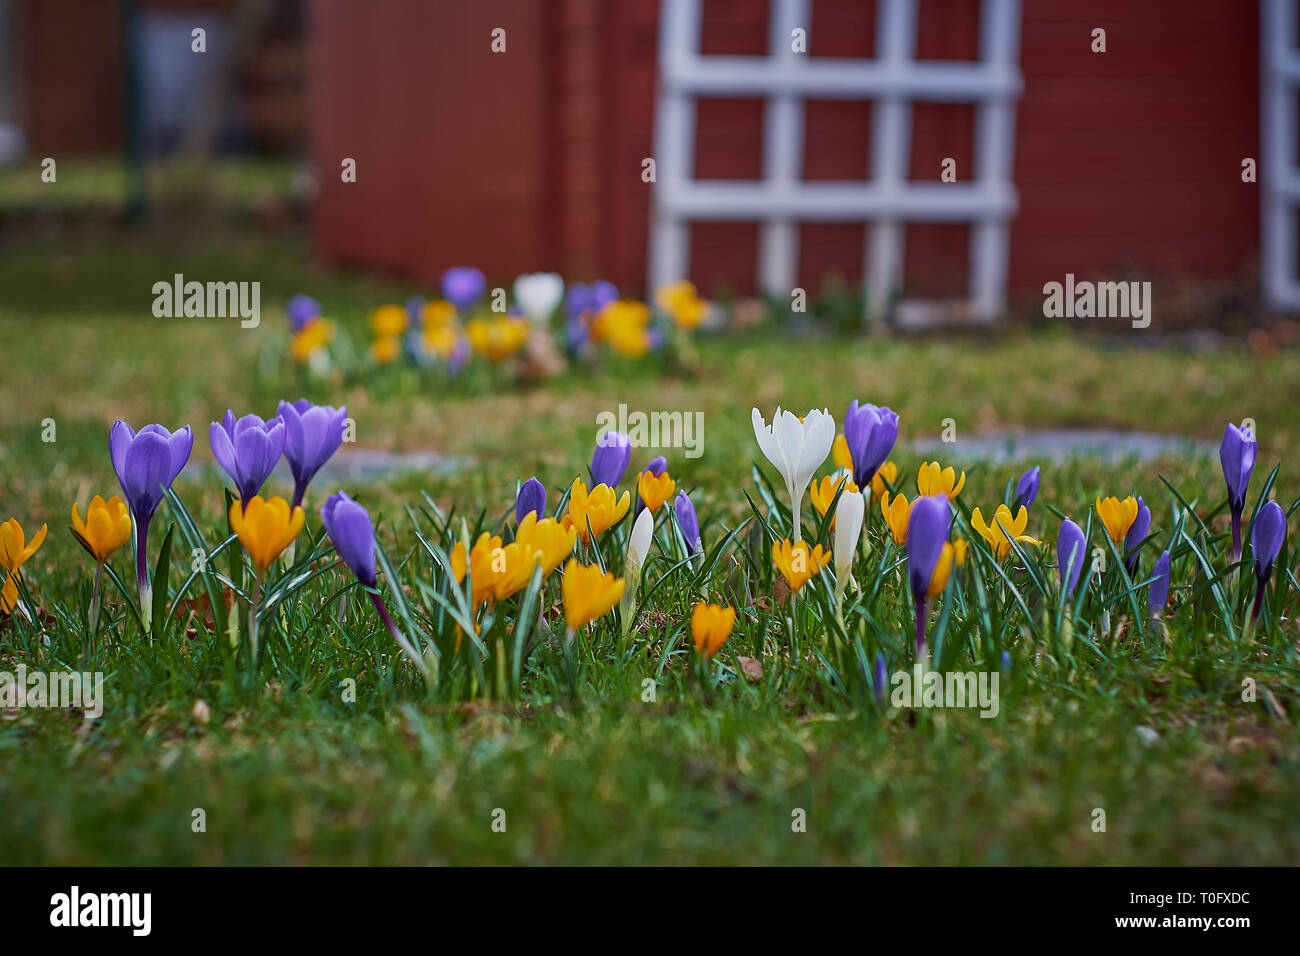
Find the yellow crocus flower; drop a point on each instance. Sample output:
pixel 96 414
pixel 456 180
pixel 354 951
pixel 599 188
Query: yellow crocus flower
pixel 386 349
pixel 388 321
pixel 14 550
pixel 840 453
pixel 498 570
pixel 711 625
pixel 897 513
pixel 106 528
pixel 600 508
pixel 315 335
pixel 265 527
pixel 823 492
pixel 437 313
pixel 551 539
pixel 797 563
pixel 654 489
pixel 1003 529
pixel 933 480
pixel 1117 516
pixel 497 339
pixel 588 593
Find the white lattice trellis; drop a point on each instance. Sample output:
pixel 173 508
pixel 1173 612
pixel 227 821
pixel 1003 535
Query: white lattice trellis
pixel 887 201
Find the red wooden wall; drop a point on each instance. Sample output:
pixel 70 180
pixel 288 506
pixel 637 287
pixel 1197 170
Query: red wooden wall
pixel 531 159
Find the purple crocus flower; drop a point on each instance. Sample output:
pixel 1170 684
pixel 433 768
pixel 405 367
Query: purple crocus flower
pixel 460 353
pixel 353 535
pixel 147 462
pixel 462 286
pixel 415 312
pixel 301 309
pixel 531 498
pixel 1158 596
pixel 870 432
pixel 656 467
pixel 1071 552
pixel 1137 533
pixel 312 433
pixel 688 522
pixel 927 531
pixel 610 459
pixel 1027 488
pixel 1237 456
pixel 247 450
pixel 1266 543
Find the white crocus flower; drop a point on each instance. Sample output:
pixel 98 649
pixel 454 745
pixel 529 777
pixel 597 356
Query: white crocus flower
pixel 539 294
pixel 796 448
pixel 848 528
pixel 638 546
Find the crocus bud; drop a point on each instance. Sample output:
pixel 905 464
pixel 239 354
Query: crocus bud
pixel 531 498
pixel 462 286
pixel 312 433
pixel 1137 533
pixel 539 294
pixel 1237 457
pixel 638 546
pixel 301 309
pixel 1158 596
pixel 609 460
pixel 353 534
pixel 247 450
pixel 848 527
pixel 927 533
pixel 688 522
pixel 1266 543
pixel 1027 488
pixel 1266 538
pixel 1071 552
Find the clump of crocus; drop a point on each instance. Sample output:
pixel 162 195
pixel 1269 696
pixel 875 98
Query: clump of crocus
pixel 933 480
pixel 927 533
pixel 797 562
pixel 265 528
pixel 588 593
pixel 681 303
pixel 896 512
pixel 1027 488
pixel 15 549
pixel 1071 550
pixel 1137 533
pixel 1004 529
pixel 388 323
pixel 796 447
pixel 247 450
pixel 538 295
pixel 498 338
pixel 1237 457
pixel 1117 516
pixel 531 499
pixel 625 325
pixel 592 513
pixel 1266 543
pixel 312 433
pixel 870 431
pixel 106 528
pixel 610 459
pixel 711 625
pixel 147 462
pixel 548 537
pixel 352 532
pixel 310 333
pixel 688 522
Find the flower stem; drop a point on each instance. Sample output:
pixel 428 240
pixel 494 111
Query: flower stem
pixel 252 623
pixel 398 636
pixel 142 573
pixel 95 599
pixel 920 625
pixel 1236 535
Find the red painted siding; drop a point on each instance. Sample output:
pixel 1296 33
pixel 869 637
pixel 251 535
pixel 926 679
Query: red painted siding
pixel 1127 159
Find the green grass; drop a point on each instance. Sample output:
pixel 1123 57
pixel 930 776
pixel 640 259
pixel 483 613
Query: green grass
pixel 287 772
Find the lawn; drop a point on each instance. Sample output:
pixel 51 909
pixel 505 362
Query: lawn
pixel 1153 730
